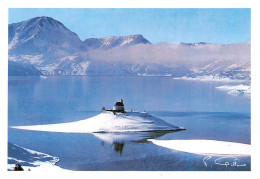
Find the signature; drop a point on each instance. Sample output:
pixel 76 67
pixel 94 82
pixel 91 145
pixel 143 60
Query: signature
pixel 223 161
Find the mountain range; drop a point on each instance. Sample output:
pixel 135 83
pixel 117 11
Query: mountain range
pixel 44 46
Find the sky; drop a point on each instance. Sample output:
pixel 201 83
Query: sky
pixel 157 25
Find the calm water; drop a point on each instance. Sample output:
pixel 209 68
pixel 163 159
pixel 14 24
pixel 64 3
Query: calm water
pixel 204 111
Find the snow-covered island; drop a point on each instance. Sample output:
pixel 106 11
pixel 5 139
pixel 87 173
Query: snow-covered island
pixel 114 120
pixel 236 90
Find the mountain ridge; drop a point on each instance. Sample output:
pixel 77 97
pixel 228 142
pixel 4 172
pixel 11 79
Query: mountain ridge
pixel 53 49
pixel 115 41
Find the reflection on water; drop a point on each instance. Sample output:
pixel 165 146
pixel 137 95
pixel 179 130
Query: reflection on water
pixel 118 147
pixel 119 139
pixel 128 136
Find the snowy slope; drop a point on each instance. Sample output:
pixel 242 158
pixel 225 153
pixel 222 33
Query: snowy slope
pixel 41 35
pixel 115 41
pixel 222 69
pixel 30 159
pixel 108 122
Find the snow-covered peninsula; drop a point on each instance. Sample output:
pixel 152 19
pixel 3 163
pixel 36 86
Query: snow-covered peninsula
pixel 109 122
pixel 30 160
pixel 209 78
pixel 112 120
pixel 206 147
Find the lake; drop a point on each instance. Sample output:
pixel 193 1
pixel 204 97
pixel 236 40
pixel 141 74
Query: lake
pixel 205 111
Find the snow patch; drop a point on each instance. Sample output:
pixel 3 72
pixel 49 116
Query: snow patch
pixel 205 147
pixel 30 159
pixel 127 40
pixel 235 90
pixel 13 42
pixel 146 74
pixel 71 58
pixel 49 69
pixel 209 78
pixel 43 77
pixel 84 66
pixel 39 166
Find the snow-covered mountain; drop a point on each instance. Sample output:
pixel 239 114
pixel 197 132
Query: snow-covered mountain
pixel 41 35
pixel 52 49
pixel 222 69
pixel 110 42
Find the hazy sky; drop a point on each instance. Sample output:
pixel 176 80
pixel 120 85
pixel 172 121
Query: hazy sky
pixel 157 25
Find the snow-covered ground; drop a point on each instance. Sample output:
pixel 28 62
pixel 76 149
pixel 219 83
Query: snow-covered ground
pixel 146 74
pixel 206 78
pixel 237 89
pixel 109 122
pixel 205 147
pixel 30 159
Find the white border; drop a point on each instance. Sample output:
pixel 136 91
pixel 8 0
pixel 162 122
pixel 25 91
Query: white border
pixel 128 4
pixel 5 4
